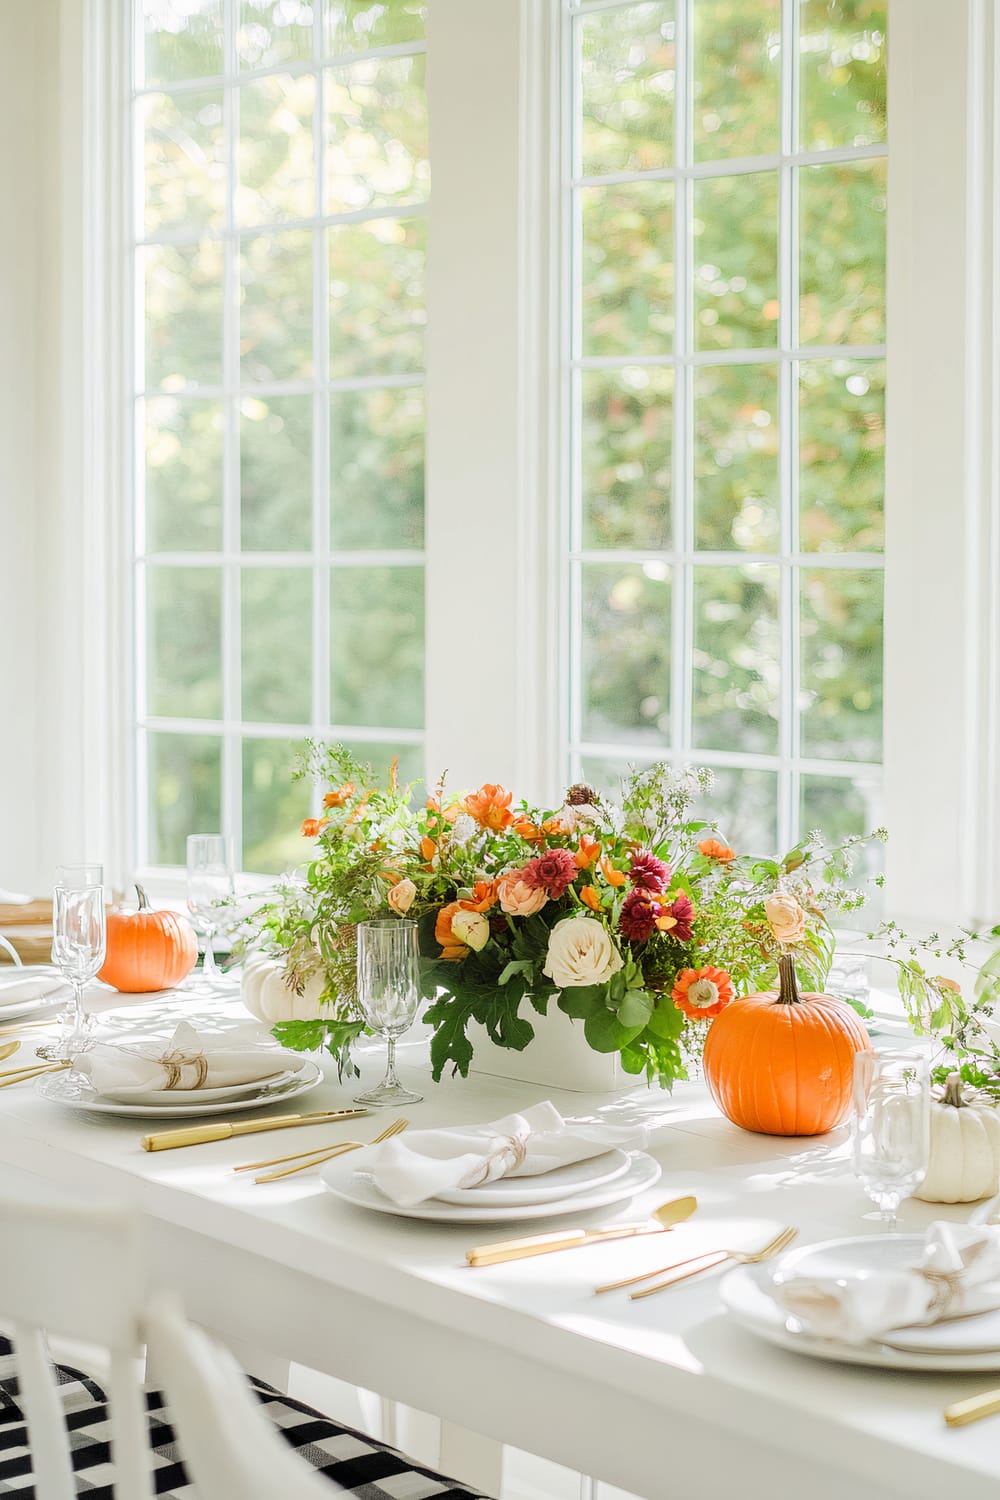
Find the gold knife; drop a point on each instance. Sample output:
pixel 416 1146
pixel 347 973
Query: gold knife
pixel 199 1135
pixel 501 1251
pixel 985 1405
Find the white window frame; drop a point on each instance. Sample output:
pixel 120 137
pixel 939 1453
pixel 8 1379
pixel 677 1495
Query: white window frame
pixel 495 611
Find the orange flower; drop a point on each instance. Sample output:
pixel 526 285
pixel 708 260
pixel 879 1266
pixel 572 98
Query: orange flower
pixel 340 796
pixel 589 897
pixel 359 808
pixel 587 853
pixel 392 877
pixel 947 984
pixel 716 849
pixel 484 895
pixel 702 993
pixel 612 876
pixel 528 830
pixel 428 848
pixel 312 826
pixel 451 948
pixel 490 807
pixel 552 826
pixel 449 813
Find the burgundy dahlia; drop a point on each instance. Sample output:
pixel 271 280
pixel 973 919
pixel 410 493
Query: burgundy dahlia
pixel 682 912
pixel 639 912
pixel 649 873
pixel 553 872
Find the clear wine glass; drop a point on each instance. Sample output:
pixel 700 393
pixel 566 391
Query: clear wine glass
pixel 388 994
pixel 891 1128
pixel 76 876
pixel 209 888
pixel 78 949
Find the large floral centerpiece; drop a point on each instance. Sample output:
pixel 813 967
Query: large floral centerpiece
pixel 632 915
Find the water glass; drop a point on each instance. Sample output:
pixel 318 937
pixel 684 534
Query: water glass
pixel 209 889
pixel 388 994
pixel 78 950
pixel 892 1127
pixel 77 876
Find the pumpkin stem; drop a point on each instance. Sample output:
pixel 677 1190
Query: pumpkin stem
pixel 788 988
pixel 143 898
pixel 953 1091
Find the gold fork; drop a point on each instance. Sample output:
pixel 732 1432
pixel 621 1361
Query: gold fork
pixel 319 1157
pixel 697 1263
pixel 21 1075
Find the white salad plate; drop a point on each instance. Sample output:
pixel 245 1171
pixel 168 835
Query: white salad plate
pixel 20 1010
pixel 971 1342
pixel 347 1179
pixel 75 1092
pixel 561 1182
pixel 177 1098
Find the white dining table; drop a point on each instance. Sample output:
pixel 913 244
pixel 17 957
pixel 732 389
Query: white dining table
pixel 665 1397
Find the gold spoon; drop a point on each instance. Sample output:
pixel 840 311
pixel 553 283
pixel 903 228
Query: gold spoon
pixel 8 1049
pixel 662 1218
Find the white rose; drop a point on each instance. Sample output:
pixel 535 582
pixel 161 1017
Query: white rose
pixel 472 929
pixel 580 952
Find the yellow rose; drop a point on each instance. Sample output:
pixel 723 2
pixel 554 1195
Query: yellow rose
pixel 401 897
pixel 471 928
pixel 787 919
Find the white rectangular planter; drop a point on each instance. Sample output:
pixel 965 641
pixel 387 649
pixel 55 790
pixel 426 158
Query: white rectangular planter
pixel 558 1057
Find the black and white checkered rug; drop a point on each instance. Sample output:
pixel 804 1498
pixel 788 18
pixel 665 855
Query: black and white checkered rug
pixel 354 1464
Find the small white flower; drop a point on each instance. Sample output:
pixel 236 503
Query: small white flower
pixel 464 828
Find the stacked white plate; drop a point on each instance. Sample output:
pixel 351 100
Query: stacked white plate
pixel 612 1177
pixel 971 1342
pixel 295 1074
pixel 55 996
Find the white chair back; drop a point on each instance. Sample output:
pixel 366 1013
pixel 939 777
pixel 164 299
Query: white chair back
pixel 75 1272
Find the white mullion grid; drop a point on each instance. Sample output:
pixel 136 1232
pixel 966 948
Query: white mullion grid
pixel 736 166
pixel 236 75
pixel 195 236
pixel 787 819
pixel 738 760
pixel 321 407
pixel 328 559
pixel 268 731
pixel 682 485
pixel 830 560
pixel 232 665
pixel 759 356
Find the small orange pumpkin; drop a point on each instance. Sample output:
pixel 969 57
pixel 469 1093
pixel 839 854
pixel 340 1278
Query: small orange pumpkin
pixel 782 1063
pixel 148 950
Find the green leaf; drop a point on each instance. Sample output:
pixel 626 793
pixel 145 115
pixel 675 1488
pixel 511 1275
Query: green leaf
pixel 303 1036
pixel 666 1021
pixel 516 966
pixel 605 1033
pixel 582 1001
pixel 636 1008
pixel 633 1059
pixel 515 1031
pixel 540 1003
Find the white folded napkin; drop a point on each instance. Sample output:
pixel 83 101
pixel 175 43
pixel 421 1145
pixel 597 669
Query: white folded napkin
pixel 189 1060
pixel 17 987
pixel 423 1163
pixel 953 1276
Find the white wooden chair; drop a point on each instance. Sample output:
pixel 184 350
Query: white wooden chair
pixel 77 1273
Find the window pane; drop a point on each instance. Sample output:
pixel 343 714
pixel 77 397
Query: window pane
pixel 745 804
pixel 276 474
pixel 379 754
pixel 627 77
pixel 377 309
pixel 627 269
pixel 842 664
pixel 184 171
pixel 736 458
pixel 737 78
pixel 735 231
pixel 377 646
pixel 843 253
pixel 840 806
pixel 736 664
pixel 842 455
pixel 275 153
pixel 842 67
pixel 272 32
pixel 357 25
pixel 185 792
pixel 276 606
pixel 627 432
pixel 183 39
pixel 183 323
pixel 625 653
pixel 184 621
pixel 376 134
pixel 377 468
pixel 276 280
pixel 184 442
pixel 273 808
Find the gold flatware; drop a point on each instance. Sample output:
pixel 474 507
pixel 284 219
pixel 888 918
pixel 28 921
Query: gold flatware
pixel 277 1161
pixel 201 1135
pixel 716 1258
pixel 396 1128
pixel 21 1075
pixel 8 1049
pixel 987 1404
pixel 7 1027
pixel 666 1216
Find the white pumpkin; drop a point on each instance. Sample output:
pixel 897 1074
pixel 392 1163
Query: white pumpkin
pixel 266 993
pixel 964 1163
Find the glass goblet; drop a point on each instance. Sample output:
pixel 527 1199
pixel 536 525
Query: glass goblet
pixel 388 995
pixel 891 1128
pixel 78 949
pixel 209 887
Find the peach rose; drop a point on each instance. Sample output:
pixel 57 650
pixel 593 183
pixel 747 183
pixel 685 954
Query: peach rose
pixel 517 897
pixel 401 897
pixel 786 917
pixel 471 928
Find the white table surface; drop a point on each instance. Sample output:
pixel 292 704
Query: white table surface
pixel 662 1397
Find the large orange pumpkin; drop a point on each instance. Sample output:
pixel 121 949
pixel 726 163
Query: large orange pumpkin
pixel 782 1063
pixel 148 950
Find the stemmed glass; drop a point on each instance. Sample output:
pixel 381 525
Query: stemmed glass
pixel 209 886
pixel 78 949
pixel 388 994
pixel 891 1130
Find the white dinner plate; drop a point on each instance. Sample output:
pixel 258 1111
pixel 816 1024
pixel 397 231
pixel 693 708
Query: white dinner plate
pixel 345 1177
pixel 20 1010
pixel 956 1344
pixel 561 1182
pixel 77 1093
pixel 178 1098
